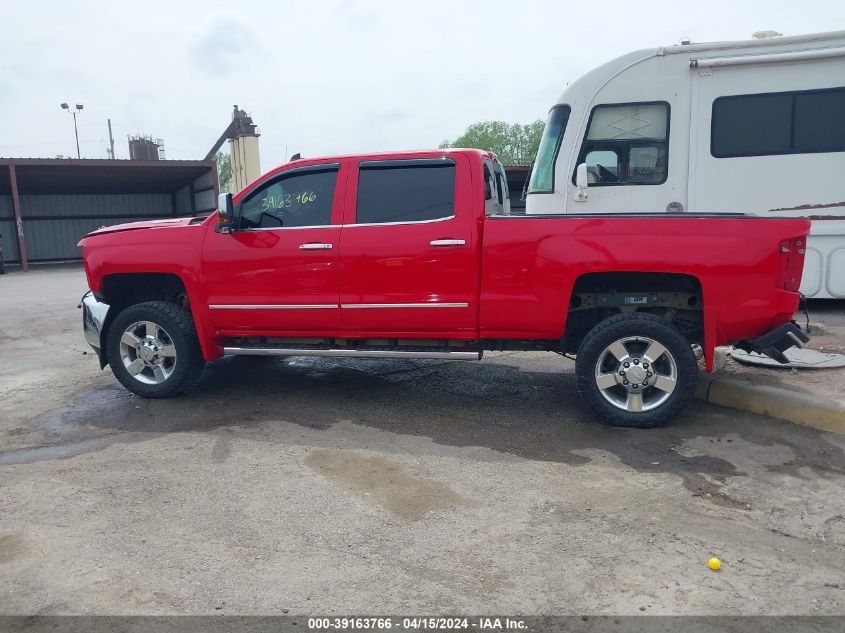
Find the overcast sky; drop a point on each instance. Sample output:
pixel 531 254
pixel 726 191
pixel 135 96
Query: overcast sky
pixel 322 77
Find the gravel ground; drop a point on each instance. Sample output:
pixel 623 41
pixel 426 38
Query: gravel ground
pixel 338 486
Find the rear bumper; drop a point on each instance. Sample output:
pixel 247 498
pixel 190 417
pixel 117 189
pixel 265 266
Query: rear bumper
pixel 94 314
pixel 775 342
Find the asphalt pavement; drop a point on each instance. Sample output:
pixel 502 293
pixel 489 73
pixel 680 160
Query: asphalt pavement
pixel 324 486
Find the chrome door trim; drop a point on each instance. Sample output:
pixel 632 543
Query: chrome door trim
pixel 403 305
pixel 250 306
pixel 345 226
pixel 448 242
pixel 448 217
pixel 315 246
pixel 291 228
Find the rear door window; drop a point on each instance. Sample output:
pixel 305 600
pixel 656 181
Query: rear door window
pixel 405 191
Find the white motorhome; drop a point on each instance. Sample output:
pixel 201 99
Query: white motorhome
pixel 753 126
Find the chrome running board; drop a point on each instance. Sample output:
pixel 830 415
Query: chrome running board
pixel 351 353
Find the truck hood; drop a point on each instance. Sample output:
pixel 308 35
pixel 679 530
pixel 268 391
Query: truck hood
pixel 147 224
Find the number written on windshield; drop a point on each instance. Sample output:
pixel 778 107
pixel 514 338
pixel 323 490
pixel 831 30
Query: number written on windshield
pixel 286 200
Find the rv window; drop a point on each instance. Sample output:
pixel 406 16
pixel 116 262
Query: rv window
pixel 820 121
pixel 778 123
pixel 626 144
pixel 602 166
pixel 543 174
pixel 755 124
pixel 647 164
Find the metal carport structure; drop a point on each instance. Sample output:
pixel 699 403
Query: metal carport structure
pixel 46 205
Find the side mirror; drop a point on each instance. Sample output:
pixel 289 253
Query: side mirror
pixel 225 212
pixel 582 182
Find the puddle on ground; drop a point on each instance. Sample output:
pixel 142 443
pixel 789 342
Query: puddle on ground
pixel 66 451
pixel 385 482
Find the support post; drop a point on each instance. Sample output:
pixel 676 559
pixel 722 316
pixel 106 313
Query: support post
pixel 111 142
pixel 215 180
pixel 193 195
pixel 76 133
pixel 16 207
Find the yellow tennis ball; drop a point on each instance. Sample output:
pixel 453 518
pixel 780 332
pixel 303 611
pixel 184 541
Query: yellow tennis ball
pixel 715 564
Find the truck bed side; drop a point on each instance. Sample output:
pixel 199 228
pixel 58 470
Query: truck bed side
pixel 531 263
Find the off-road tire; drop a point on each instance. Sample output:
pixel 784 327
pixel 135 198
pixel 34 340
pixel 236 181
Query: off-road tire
pixel 631 325
pixel 179 324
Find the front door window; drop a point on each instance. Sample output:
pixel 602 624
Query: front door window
pixel 291 200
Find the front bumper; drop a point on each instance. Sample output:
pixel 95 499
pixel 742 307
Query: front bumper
pixel 94 315
pixel 774 343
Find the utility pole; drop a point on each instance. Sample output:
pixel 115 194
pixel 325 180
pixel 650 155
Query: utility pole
pixel 65 106
pixel 111 142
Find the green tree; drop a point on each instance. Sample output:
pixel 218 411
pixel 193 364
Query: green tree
pixel 513 143
pixel 224 170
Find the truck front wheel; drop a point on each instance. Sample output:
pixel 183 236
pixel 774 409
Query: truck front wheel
pixel 636 370
pixel 153 349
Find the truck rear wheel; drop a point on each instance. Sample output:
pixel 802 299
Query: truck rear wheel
pixel 153 349
pixel 636 370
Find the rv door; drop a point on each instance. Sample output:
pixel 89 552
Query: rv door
pixel 625 148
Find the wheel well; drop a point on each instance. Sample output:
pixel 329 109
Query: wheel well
pixel 122 290
pixel 597 296
pixel 125 289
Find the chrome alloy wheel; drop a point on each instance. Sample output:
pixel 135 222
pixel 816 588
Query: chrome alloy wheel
pixel 636 373
pixel 147 352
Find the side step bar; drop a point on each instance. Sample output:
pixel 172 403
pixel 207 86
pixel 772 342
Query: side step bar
pixel 351 353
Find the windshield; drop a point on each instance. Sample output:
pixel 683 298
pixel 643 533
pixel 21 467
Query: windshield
pixel 542 176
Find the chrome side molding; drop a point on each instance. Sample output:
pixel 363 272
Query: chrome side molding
pixel 250 306
pixel 356 306
pixel 351 353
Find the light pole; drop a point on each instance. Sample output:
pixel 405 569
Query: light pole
pixel 65 106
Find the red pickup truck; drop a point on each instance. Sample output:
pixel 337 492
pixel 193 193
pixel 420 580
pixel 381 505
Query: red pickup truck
pixel 415 255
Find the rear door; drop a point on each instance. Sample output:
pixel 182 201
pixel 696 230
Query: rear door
pixel 407 249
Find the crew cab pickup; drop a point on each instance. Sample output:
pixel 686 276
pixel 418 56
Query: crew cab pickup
pixel 415 255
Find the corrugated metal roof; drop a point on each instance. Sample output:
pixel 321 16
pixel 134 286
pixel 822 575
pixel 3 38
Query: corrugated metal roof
pixel 66 175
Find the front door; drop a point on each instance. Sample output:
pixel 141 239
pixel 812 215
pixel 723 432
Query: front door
pixel 407 250
pixel 278 272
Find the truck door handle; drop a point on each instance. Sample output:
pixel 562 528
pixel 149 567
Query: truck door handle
pixel 447 242
pixel 314 246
